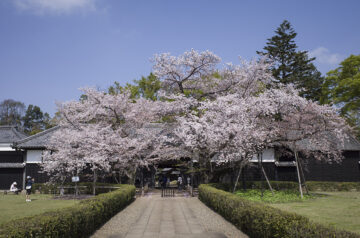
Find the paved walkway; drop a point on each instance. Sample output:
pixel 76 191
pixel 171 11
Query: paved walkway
pixel 156 217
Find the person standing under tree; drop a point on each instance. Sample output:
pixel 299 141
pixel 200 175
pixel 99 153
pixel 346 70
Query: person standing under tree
pixel 28 186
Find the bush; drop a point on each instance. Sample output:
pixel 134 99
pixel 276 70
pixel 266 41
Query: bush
pixel 289 185
pixel 333 186
pixel 80 220
pixel 50 188
pixel 259 220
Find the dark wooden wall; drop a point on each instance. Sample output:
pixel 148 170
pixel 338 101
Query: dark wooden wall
pixel 346 171
pixel 34 171
pixel 8 176
pixel 11 157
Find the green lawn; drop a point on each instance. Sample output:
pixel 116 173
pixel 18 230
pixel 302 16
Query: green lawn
pixel 339 209
pixel 14 206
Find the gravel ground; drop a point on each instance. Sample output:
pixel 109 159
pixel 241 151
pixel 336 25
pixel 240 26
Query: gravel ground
pixel 126 220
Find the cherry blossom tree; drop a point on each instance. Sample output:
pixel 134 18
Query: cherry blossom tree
pixel 221 131
pixel 265 117
pixel 302 126
pixel 199 74
pixel 98 131
pixel 219 113
pixel 208 129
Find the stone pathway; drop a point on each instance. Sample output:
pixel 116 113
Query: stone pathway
pixel 178 217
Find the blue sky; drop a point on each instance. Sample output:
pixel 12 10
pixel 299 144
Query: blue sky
pixel 51 48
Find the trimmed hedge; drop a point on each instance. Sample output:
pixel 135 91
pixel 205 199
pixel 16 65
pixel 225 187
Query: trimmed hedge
pixel 49 188
pixel 288 185
pixel 259 220
pixel 80 220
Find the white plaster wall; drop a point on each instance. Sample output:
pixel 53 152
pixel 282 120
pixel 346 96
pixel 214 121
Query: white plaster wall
pixel 267 156
pixel 6 147
pixel 34 156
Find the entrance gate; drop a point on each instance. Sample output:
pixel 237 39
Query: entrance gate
pixel 168 192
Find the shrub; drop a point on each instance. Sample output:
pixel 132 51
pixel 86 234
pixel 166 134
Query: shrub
pixel 333 186
pixel 80 220
pixel 289 185
pixel 50 188
pixel 259 220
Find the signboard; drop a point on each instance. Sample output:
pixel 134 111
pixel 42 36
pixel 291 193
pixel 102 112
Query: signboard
pixel 75 179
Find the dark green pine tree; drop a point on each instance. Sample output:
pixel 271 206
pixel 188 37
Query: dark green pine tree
pixel 33 120
pixel 290 65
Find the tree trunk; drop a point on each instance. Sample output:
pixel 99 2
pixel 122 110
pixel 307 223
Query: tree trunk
pixel 142 182
pixel 237 177
pixel 244 179
pixel 267 180
pixel 94 182
pixel 298 173
pixel 120 175
pixel 303 176
pixel 262 175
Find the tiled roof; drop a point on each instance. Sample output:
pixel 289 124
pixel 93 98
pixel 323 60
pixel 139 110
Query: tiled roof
pixel 10 134
pixel 38 141
pixel 350 143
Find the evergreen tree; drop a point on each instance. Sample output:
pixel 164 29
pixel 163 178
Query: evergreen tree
pixel 34 120
pixel 342 88
pixel 11 112
pixel 146 87
pixel 290 65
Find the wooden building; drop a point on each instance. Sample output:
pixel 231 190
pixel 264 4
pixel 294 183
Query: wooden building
pixel 12 166
pixel 283 168
pixel 32 148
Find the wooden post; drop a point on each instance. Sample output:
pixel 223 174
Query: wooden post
pixel 303 177
pixel 261 179
pixel 243 178
pixel 237 177
pixel 192 178
pixel 298 173
pixel 267 180
pixel 142 182
pixel 94 182
pixel 120 173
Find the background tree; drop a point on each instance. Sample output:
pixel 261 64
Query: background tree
pixel 11 112
pixel 290 65
pixel 146 87
pixel 342 88
pixel 35 120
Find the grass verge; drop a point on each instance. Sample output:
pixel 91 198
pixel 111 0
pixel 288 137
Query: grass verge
pixel 14 206
pixel 338 209
pixel 79 220
pixel 257 219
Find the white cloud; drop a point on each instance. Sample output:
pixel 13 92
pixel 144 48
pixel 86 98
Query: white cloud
pixel 324 56
pixel 55 6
